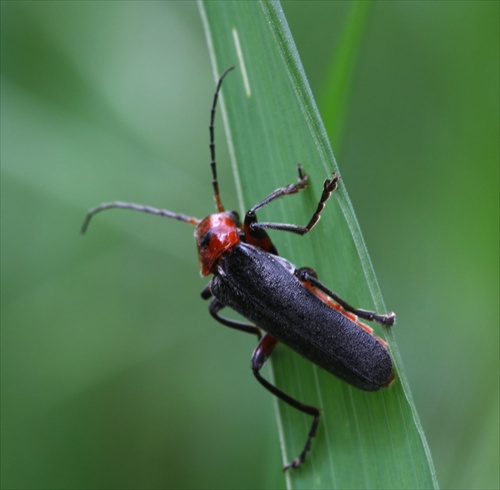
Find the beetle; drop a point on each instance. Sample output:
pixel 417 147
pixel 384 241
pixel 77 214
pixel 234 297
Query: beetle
pixel 282 302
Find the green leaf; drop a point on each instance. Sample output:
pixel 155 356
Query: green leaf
pixel 365 440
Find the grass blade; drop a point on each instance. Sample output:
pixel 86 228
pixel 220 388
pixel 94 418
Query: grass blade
pixel 337 89
pixel 366 440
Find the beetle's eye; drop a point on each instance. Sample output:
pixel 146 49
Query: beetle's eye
pixel 204 240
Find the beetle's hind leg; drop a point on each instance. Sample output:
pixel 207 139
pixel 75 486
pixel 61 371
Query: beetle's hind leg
pixel 308 275
pixel 260 355
pixel 264 349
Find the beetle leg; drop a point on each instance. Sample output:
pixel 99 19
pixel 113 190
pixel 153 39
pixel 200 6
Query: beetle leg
pixel 284 191
pixel 216 306
pixel 251 224
pixel 206 292
pixel 260 355
pixel 306 274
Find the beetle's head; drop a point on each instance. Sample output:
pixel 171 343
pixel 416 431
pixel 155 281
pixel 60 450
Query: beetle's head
pixel 215 235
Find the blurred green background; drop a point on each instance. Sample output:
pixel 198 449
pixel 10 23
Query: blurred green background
pixel 113 374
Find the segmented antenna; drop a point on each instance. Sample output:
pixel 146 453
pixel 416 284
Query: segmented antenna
pixel 164 212
pixel 136 207
pixel 215 182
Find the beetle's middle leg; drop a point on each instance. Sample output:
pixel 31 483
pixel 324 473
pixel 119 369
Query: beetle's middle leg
pixel 214 308
pixel 308 275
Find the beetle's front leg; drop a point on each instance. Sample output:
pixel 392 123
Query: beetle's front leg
pixel 254 230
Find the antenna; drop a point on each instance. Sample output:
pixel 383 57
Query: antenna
pixel 164 212
pixel 215 182
pixel 136 207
